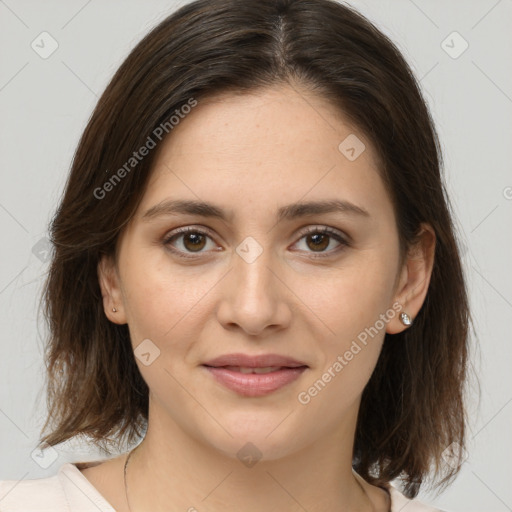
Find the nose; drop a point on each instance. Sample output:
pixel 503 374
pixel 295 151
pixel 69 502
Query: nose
pixel 254 297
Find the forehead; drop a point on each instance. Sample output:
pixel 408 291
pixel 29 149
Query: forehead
pixel 279 143
pixel 282 116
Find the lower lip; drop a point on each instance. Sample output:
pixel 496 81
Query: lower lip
pixel 255 384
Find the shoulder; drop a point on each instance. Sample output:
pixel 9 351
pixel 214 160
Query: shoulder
pixel 399 502
pixel 66 491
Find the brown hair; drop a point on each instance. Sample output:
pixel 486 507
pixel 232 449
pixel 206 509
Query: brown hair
pixel 413 406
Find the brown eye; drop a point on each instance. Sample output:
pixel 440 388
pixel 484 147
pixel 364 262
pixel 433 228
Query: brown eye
pixel 194 241
pixel 319 241
pixel 187 241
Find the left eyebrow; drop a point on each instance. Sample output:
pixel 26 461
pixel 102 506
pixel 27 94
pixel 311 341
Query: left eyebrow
pixel 295 210
pixel 288 212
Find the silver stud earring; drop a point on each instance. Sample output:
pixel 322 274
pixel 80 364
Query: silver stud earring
pixel 406 319
pixel 114 310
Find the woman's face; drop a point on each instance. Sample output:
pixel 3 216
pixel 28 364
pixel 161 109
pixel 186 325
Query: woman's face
pixel 254 281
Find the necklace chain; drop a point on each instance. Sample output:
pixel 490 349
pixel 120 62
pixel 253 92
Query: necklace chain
pixel 125 484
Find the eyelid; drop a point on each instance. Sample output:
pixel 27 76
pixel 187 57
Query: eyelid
pixel 321 228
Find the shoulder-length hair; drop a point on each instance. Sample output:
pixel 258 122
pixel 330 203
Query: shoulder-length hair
pixel 412 408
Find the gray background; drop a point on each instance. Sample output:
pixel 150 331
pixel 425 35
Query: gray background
pixel 45 104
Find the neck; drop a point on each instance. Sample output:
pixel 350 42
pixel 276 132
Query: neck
pixel 171 470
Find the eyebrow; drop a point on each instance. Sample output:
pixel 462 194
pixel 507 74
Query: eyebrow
pixel 288 212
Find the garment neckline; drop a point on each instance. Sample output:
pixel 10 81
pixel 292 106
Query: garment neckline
pixel 72 472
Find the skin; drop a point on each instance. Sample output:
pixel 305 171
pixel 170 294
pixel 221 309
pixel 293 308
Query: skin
pixel 250 154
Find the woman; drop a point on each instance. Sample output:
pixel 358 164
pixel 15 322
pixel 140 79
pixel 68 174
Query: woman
pixel 255 271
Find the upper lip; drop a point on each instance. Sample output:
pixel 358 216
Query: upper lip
pixel 258 361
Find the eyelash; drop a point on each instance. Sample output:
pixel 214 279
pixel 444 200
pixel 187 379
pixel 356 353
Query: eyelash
pixel 311 230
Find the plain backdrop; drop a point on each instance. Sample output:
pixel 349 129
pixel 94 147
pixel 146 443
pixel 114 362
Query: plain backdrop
pixel 45 104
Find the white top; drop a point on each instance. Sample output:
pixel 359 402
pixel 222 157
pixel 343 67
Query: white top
pixel 70 491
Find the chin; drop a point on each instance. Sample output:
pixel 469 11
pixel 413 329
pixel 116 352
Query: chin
pixel 255 438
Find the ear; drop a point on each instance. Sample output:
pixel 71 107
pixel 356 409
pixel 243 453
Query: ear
pixel 110 285
pixel 414 278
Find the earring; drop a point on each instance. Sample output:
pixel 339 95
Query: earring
pixel 114 310
pixel 406 319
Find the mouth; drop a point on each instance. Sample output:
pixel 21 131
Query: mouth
pixel 255 376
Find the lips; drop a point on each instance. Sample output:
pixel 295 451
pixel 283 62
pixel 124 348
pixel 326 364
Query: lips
pixel 255 376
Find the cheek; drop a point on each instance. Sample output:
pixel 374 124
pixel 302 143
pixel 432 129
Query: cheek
pixel 352 297
pixel 351 305
pixel 163 302
pixel 351 347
